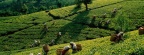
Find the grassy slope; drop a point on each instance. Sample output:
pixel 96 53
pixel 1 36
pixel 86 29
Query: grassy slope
pixel 32 25
pixel 30 33
pixel 127 7
pixel 10 27
pixel 67 11
pixel 133 44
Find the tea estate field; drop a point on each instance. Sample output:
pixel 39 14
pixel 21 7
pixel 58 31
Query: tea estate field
pixel 17 33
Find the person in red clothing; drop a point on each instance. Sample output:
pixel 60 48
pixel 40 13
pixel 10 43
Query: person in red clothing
pixel 65 50
pixel 75 47
pixel 141 30
pixel 46 49
pixel 116 37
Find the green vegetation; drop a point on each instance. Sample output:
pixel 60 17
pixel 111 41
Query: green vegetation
pixel 17 33
pixel 85 2
pixel 122 23
pixel 11 27
pixel 18 7
pixel 132 44
pixel 70 10
pixel 71 31
pixel 33 26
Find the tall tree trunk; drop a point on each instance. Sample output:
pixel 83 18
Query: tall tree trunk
pixel 86 2
pixel 86 6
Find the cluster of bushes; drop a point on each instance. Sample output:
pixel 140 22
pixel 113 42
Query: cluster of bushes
pixel 18 7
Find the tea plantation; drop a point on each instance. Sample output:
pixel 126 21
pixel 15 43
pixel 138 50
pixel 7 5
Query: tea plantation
pixel 17 33
pixel 132 44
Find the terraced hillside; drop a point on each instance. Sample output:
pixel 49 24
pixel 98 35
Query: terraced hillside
pixel 21 37
pixel 19 32
pixel 132 45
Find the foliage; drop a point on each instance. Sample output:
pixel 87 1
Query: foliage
pixel 18 7
pixel 18 32
pixel 86 2
pixel 23 36
pixel 70 10
pixel 25 9
pixel 133 44
pixel 122 23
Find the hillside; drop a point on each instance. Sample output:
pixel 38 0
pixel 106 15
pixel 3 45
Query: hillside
pixel 132 45
pixel 13 36
pixel 75 24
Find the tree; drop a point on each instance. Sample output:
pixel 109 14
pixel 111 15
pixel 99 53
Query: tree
pixel 38 3
pixel 18 4
pixel 58 3
pixel 24 9
pixel 86 2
